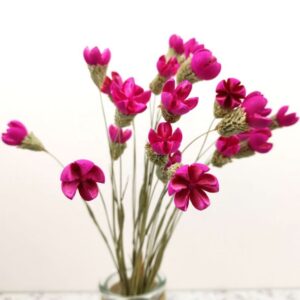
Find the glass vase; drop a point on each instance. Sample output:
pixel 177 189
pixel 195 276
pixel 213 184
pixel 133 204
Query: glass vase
pixel 108 287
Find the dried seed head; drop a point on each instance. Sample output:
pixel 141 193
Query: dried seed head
pixel 233 123
pixel 157 84
pixel 31 142
pixel 116 150
pixel 123 120
pixel 218 160
pixel 98 74
pixel 245 151
pixel 168 116
pixel 185 73
pixel 157 159
pixel 219 111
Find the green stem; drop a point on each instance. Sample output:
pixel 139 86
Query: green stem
pixel 195 139
pixel 205 139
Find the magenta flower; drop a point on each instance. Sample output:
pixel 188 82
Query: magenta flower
pixel 176 43
pixel 106 85
pixel 15 134
pixel 191 183
pixel 205 65
pixel 174 158
pixel 228 146
pixel 230 93
pixel 191 47
pixel 254 106
pixel 175 101
pixel 118 135
pixel 164 141
pixel 94 57
pixel 166 68
pixel 257 139
pixel 284 119
pixel 129 98
pixel 82 175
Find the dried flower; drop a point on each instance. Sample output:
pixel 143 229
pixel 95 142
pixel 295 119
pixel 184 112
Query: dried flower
pixel 191 182
pixel 129 98
pixel 283 119
pixel 118 135
pixel 176 44
pixel 228 146
pixel 174 158
pixel 164 141
pixel 118 138
pixel 106 85
pixel 97 63
pixel 94 57
pixel 202 66
pixel 254 106
pixel 191 47
pixel 257 139
pixel 230 93
pixel 252 114
pixel 82 175
pixel 15 134
pixel 174 100
pixel 166 69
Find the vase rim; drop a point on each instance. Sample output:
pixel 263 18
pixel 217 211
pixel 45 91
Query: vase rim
pixel 104 288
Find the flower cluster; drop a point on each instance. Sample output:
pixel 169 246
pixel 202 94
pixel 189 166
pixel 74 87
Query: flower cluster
pixel 245 127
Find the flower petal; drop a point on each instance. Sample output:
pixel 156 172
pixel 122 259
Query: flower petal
pixel 181 199
pixel 199 199
pixel 88 190
pixel 69 188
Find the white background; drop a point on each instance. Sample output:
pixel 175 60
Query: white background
pixel 249 237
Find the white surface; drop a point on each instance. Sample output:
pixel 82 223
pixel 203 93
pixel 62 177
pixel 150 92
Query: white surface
pixel 249 237
pixel 172 295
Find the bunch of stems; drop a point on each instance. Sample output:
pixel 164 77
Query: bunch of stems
pixel 153 221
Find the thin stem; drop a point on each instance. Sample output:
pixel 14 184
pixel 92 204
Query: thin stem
pixel 54 157
pixel 207 148
pixel 107 218
pixel 205 139
pixel 195 139
pixel 91 214
pixel 101 232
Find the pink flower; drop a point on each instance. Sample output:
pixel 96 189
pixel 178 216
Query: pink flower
pixel 284 119
pixel 255 107
pixel 82 175
pixel 176 43
pixel 228 146
pixel 174 158
pixel 191 47
pixel 129 98
pixel 164 141
pixel 106 85
pixel 95 57
pixel 191 183
pixel 168 68
pixel 175 100
pixel 15 133
pixel 118 135
pixel 230 93
pixel 257 139
pixel 205 65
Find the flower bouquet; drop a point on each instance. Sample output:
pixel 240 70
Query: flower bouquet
pixel 243 122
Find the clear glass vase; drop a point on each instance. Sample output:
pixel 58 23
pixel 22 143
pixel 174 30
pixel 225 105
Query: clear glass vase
pixel 107 287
